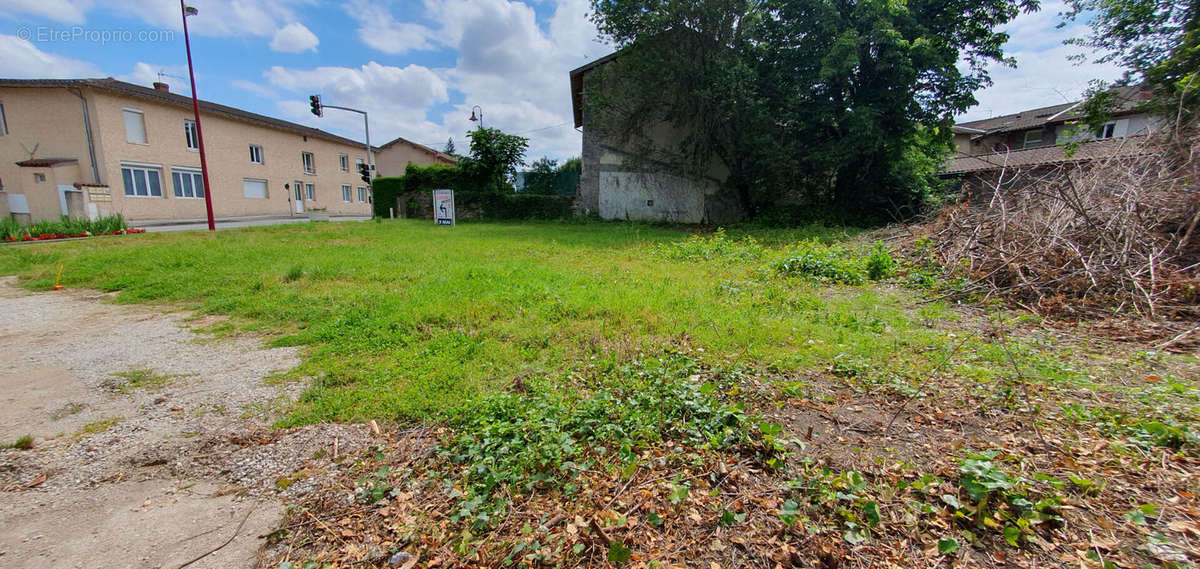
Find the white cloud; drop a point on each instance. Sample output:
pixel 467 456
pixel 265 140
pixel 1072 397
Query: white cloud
pixel 382 31
pixel 413 86
pixel 294 38
pixel 397 98
pixel 517 70
pixel 221 18
pixel 508 63
pixel 64 11
pixel 147 74
pixel 21 59
pixel 1045 74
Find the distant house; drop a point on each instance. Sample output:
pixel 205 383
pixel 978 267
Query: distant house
pixel 1038 137
pixel 621 180
pixel 392 158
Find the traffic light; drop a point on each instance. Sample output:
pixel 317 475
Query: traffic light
pixel 314 101
pixel 364 171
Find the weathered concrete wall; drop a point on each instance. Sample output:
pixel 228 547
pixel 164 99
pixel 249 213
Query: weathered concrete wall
pixel 621 180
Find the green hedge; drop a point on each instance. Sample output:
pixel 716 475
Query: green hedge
pixel 467 194
pixel 519 206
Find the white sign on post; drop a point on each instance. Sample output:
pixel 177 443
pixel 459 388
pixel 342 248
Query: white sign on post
pixel 443 207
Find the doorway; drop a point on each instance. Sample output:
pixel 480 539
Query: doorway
pixel 298 193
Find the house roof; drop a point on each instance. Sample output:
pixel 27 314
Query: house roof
pixel 1128 99
pixel 121 87
pixel 436 154
pixel 1048 155
pixel 577 84
pixel 45 162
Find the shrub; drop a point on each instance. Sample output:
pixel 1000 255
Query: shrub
pixel 10 230
pixel 880 265
pixel 709 247
pixel 468 194
pixel 836 264
pixel 828 263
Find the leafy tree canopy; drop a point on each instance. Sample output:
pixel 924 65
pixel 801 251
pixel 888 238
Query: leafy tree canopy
pixel 495 157
pixel 827 102
pixel 544 165
pixel 1156 41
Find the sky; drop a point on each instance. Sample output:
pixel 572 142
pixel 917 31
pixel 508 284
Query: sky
pixel 417 66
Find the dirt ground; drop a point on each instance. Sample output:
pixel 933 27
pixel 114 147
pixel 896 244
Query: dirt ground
pixel 155 474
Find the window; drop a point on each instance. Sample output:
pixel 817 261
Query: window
pixel 1033 138
pixel 358 163
pixel 309 165
pixel 3 122
pixel 256 154
pixel 310 192
pixel 193 137
pixel 254 189
pixel 189 183
pixel 1107 131
pixel 362 193
pixel 344 162
pixel 135 126
pixel 346 195
pixel 39 178
pixel 141 181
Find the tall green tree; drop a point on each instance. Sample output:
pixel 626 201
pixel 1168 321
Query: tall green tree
pixel 541 176
pixel 838 103
pixel 495 157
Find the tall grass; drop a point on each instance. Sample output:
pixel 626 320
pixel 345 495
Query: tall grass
pixel 405 320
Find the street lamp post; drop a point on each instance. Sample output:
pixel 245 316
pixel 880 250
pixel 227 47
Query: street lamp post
pixel 190 11
pixel 479 117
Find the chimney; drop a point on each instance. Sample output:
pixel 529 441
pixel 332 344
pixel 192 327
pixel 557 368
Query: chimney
pixel 160 86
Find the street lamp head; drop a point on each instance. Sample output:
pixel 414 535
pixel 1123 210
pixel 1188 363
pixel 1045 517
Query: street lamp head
pixel 190 11
pixel 473 117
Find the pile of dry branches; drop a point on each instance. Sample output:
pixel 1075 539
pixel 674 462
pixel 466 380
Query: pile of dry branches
pixel 1116 235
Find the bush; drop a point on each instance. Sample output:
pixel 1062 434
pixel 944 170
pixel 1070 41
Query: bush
pixel 10 230
pixel 832 263
pixel 880 265
pixel 519 206
pixel 419 178
pixel 715 246
pixel 468 194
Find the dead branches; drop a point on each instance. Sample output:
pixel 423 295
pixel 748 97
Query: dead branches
pixel 1110 236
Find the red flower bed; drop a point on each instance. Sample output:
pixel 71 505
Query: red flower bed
pixel 50 236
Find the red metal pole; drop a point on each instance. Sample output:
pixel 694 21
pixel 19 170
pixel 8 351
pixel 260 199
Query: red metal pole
pixel 212 226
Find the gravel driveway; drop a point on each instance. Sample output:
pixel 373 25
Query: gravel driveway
pixel 151 444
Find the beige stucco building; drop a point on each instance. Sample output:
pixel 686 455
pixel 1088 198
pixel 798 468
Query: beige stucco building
pixel 393 158
pixel 91 147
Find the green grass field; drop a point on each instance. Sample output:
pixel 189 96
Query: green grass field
pixel 406 321
pixel 592 368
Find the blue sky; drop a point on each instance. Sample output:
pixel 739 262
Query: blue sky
pixel 417 66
